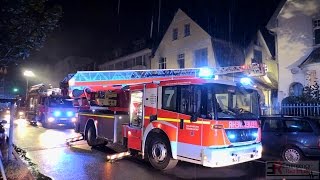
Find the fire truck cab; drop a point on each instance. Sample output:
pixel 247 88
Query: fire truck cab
pixel 171 115
pixel 49 107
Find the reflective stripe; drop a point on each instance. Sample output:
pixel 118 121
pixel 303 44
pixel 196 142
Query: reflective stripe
pixel 97 115
pixel 178 120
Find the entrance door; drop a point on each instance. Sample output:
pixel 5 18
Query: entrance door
pixel 136 120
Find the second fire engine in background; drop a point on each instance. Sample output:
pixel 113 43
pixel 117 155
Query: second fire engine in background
pixel 49 107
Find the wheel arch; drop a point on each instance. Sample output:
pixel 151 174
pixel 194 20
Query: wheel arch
pixel 167 130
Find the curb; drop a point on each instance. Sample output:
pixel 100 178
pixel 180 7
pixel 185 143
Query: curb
pixel 16 164
pixel 29 175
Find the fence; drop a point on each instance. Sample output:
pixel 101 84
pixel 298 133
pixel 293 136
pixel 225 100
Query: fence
pixel 310 109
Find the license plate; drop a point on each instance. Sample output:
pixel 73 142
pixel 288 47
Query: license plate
pixel 63 118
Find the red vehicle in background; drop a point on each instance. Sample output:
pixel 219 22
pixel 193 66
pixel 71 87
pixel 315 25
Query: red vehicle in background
pixel 49 107
pixel 169 115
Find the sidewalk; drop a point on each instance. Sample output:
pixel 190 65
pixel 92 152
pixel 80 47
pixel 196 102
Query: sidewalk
pixel 15 169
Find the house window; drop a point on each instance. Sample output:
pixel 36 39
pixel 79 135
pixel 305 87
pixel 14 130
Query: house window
pixel 316 31
pixel 201 57
pixel 163 63
pixel 257 56
pixel 119 65
pixel 139 61
pixel 111 67
pixel 175 34
pixel 186 30
pixel 181 61
pixel 296 89
pixel 128 64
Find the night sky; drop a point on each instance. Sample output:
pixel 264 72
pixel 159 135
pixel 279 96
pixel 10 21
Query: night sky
pixel 92 28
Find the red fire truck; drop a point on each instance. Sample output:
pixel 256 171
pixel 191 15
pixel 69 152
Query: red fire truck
pixel 170 115
pixel 48 106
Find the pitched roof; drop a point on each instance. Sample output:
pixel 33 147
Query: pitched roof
pixel 314 57
pixel 270 40
pixel 272 22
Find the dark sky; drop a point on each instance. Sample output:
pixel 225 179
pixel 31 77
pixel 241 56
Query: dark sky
pixel 91 27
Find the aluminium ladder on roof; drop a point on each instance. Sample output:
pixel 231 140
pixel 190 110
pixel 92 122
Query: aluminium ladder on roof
pixel 88 77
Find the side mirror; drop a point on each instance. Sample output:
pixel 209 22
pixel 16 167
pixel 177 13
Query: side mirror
pixel 4 122
pixel 194 118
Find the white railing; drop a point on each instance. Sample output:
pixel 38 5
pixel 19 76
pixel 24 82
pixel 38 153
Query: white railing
pixel 298 109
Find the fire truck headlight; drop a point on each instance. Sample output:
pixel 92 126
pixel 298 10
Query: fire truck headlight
pixel 56 113
pixel 50 119
pixel 70 114
pixel 73 119
pixel 260 149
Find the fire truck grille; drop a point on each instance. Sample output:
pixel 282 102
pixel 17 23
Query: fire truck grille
pixel 242 135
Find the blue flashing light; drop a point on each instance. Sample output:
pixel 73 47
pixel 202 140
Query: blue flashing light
pixel 70 114
pixel 206 73
pixel 57 113
pixel 245 81
pixel 255 134
pixel 231 136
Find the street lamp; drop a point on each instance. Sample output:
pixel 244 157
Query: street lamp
pixel 28 74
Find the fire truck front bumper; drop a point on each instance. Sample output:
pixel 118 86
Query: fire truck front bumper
pixel 220 157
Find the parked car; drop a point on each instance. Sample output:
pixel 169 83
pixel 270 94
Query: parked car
pixel 294 138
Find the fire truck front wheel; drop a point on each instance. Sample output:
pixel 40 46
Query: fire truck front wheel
pixel 159 153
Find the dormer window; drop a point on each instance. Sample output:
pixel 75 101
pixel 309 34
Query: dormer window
pixel 316 31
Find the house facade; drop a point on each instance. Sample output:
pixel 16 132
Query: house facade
pixel 184 45
pixel 138 60
pixel 187 45
pixel 261 52
pixel 296 25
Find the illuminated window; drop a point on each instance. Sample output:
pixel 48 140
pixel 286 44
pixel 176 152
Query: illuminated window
pixel 181 61
pixel 163 63
pixel 175 34
pixel 186 30
pixel 316 31
pixel 201 57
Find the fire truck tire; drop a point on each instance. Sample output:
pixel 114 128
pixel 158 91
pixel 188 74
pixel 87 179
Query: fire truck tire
pixel 159 153
pixel 91 136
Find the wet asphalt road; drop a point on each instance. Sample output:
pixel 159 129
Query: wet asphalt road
pixel 47 148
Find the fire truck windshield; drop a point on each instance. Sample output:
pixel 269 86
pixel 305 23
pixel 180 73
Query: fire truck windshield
pixel 233 102
pixel 60 102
